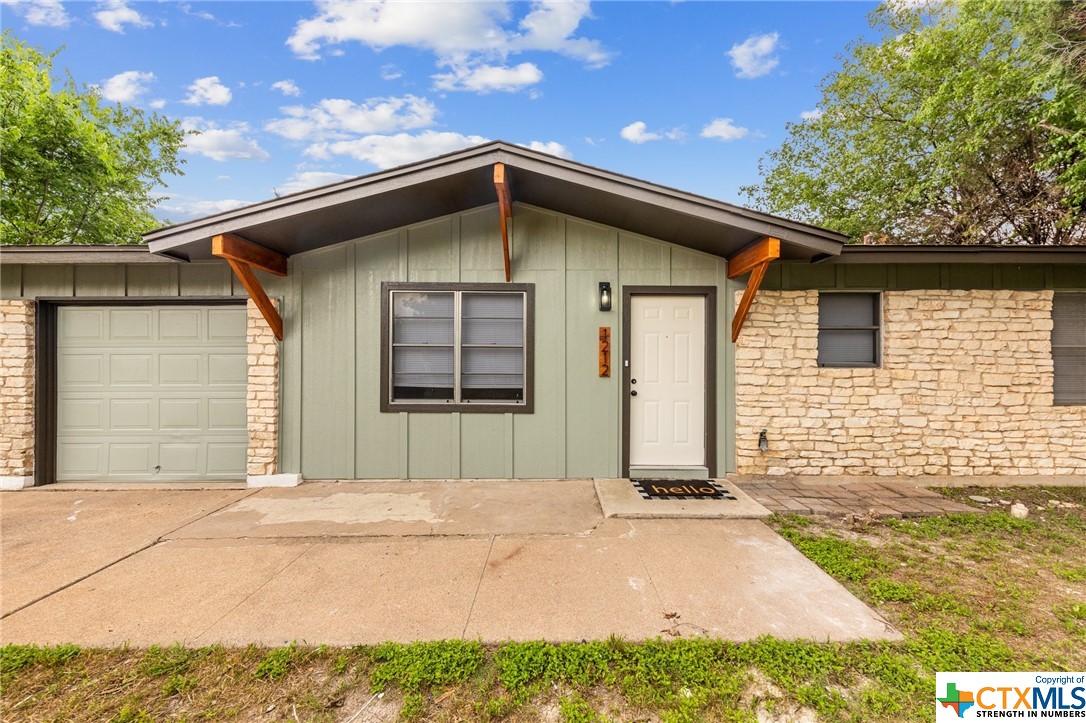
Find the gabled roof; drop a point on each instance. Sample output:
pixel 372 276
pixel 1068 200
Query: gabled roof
pixel 463 180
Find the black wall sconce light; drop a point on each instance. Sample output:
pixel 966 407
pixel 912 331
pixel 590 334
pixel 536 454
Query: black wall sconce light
pixel 605 296
pixel 763 441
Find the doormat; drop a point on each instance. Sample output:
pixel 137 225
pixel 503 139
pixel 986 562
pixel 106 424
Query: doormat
pixel 681 489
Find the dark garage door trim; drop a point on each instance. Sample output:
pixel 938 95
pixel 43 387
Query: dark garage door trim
pixel 45 364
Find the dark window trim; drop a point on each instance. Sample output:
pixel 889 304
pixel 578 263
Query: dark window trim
pixel 528 407
pixel 710 294
pixel 877 329
pixel 45 363
pixel 1052 352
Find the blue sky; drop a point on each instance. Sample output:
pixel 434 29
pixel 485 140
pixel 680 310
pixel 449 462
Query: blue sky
pixel 289 95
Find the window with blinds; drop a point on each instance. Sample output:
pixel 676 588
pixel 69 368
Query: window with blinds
pixel 451 345
pixel 1069 348
pixel 848 330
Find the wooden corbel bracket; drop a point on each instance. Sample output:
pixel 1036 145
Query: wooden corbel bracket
pixel 505 206
pixel 754 258
pixel 243 255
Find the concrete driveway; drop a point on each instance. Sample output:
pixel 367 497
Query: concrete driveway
pixel 346 563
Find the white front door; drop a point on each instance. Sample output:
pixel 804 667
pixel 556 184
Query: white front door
pixel 667 381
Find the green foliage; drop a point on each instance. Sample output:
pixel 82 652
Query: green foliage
pixel 845 560
pixel 574 709
pixel 277 662
pixel 419 665
pixel 14 658
pixel 73 168
pixel 171 660
pixel 177 684
pixel 958 126
pixel 1071 574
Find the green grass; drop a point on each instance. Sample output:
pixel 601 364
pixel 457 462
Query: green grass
pixel 969 592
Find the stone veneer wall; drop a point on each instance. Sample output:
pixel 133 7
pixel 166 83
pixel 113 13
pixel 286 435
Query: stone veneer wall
pixel 964 388
pixel 17 367
pixel 262 405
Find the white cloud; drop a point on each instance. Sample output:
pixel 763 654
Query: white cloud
pixel 309 179
pixel 457 32
pixel 201 14
pixel 724 129
pixel 386 151
pixel 127 86
pixel 754 57
pixel 158 103
pixel 390 72
pixel 50 13
pixel 811 115
pixel 208 91
pixel 554 148
pixel 222 144
pixel 287 87
pixel 488 78
pixel 186 207
pixel 636 133
pixel 115 14
pixel 336 118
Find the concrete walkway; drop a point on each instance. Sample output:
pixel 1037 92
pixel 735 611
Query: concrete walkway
pixel 368 562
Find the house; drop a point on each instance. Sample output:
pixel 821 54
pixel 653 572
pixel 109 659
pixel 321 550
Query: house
pixel 502 313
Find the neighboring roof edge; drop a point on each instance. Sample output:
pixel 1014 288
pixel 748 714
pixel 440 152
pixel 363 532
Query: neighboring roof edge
pixel 955 254
pixel 82 254
pixel 448 164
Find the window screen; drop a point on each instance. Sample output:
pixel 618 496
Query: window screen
pixel 1069 348
pixel 848 330
pixel 457 347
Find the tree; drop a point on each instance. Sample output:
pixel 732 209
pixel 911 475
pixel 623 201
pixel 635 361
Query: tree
pixel 966 123
pixel 75 169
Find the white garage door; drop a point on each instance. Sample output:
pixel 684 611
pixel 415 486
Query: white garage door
pixel 151 392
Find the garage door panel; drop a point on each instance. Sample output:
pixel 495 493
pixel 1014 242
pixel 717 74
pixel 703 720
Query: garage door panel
pixel 180 324
pixel 179 369
pixel 226 369
pixel 81 370
pixel 83 324
pixel 225 324
pixel 131 324
pixel 226 414
pixel 182 459
pixel 78 460
pixel 176 414
pixel 131 415
pixel 130 458
pixel 130 370
pixel 82 415
pixel 222 457
pixel 150 393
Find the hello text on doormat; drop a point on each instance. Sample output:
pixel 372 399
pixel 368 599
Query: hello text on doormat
pixel 680 489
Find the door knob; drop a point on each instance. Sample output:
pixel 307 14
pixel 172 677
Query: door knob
pixel 633 392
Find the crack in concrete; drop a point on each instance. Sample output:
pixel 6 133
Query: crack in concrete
pixel 161 538
pixel 478 586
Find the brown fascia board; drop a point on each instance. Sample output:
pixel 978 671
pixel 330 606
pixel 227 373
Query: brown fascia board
pixel 81 254
pixel 266 214
pixel 957 254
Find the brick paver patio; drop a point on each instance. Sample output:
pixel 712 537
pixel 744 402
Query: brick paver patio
pixel 888 499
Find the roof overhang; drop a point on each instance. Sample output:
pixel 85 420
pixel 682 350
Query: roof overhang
pixel 463 180
pixel 81 254
pixel 957 254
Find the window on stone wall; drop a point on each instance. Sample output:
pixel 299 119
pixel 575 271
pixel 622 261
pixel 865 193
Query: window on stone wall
pixel 1069 348
pixel 457 347
pixel 848 329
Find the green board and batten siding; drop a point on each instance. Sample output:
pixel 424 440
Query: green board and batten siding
pixel 332 425
pixel 28 281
